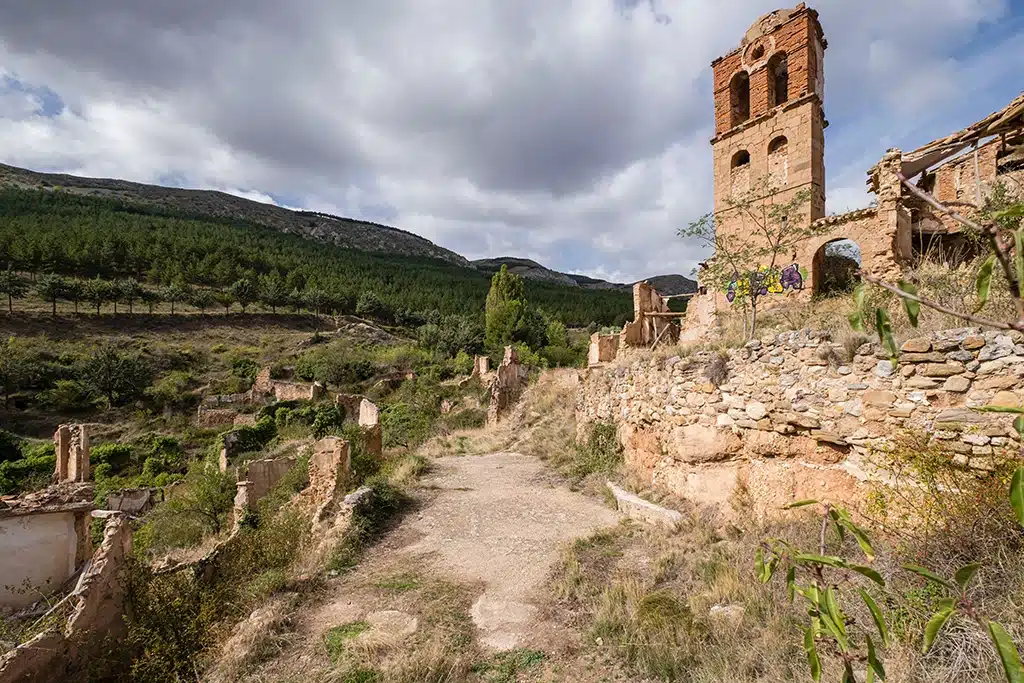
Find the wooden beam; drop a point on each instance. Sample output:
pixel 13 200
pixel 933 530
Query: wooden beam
pixel 664 314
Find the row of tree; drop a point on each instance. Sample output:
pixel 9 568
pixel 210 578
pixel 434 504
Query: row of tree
pixel 89 238
pixel 129 293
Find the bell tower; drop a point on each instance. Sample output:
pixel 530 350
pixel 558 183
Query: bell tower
pixel 769 117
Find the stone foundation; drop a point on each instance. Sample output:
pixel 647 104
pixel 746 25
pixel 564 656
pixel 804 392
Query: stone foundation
pixel 793 418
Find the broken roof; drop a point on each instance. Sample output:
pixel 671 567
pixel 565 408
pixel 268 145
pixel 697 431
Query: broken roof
pixel 1009 118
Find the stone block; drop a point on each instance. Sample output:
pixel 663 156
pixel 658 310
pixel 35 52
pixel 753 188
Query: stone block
pixel 879 399
pixel 699 443
pixel 941 369
pixel 917 345
pixel 931 357
pixel 1005 399
pixel 973 342
pixel 957 384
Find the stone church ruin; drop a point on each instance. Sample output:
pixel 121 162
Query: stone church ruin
pixel 769 133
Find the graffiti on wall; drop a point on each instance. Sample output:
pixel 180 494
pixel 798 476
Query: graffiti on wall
pixel 767 281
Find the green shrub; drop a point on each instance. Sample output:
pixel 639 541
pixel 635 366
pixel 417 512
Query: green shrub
pixel 10 446
pixel 118 377
pixel 67 395
pixel 328 420
pixel 600 453
pixel 463 363
pixel 31 472
pixel 115 455
pixel 245 368
pixel 252 438
pixel 172 390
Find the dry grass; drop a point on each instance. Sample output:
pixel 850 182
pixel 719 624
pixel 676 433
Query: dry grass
pixel 655 600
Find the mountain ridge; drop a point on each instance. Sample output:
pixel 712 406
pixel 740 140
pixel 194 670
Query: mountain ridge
pixel 314 225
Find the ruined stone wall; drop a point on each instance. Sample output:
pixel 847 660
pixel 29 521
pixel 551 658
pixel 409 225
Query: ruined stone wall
pixel 955 181
pixel 643 330
pixel 603 348
pixel 39 553
pixel 507 384
pixel 62 654
pixel 794 420
pixel 263 474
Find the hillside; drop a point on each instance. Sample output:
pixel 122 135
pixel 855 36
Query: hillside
pixel 343 232
pixel 84 237
pixel 531 270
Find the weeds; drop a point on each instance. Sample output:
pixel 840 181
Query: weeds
pixel 717 369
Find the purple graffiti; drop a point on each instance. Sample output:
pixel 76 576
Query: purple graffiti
pixel 791 278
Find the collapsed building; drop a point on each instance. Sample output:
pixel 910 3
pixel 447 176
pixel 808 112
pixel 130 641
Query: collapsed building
pixel 769 146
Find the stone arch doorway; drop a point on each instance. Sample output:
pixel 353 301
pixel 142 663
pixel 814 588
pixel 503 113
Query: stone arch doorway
pixel 835 267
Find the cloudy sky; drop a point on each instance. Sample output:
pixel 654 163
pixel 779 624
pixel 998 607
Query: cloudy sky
pixel 574 132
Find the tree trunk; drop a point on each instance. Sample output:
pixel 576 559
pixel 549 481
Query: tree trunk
pixel 10 304
pixel 129 306
pixel 115 307
pixel 76 306
pixel 98 308
pixel 172 308
pixel 54 302
pixel 753 318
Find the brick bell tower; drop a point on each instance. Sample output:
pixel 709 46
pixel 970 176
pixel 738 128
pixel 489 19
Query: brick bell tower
pixel 769 116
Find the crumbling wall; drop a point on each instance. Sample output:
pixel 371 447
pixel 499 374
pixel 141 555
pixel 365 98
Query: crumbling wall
pixel 603 348
pixel 264 474
pixel 132 501
pixel 215 417
pixel 99 606
pixel 481 365
pixel 39 555
pixel 506 386
pixel 645 328
pixel 794 419
pixel 263 386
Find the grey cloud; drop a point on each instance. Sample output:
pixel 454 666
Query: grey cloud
pixel 575 131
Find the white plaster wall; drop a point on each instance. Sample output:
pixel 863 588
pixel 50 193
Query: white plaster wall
pixel 39 549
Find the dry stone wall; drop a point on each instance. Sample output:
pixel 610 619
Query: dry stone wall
pixel 792 416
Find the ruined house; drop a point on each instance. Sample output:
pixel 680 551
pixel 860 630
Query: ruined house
pixel 769 140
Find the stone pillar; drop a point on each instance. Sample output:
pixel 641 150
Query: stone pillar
pixel 369 424
pixel 243 502
pixel 481 365
pixel 317 391
pixel 71 446
pixel 62 448
pixel 78 457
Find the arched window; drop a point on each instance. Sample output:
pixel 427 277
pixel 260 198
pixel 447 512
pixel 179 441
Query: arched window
pixel 739 173
pixel 778 161
pixel 778 79
pixel 739 91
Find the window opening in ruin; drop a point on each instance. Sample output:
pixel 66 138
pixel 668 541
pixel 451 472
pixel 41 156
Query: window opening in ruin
pixel 740 158
pixel 778 161
pixel 757 52
pixel 778 79
pixel 835 268
pixel 740 97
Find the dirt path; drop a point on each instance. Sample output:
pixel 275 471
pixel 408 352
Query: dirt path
pixel 497 521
